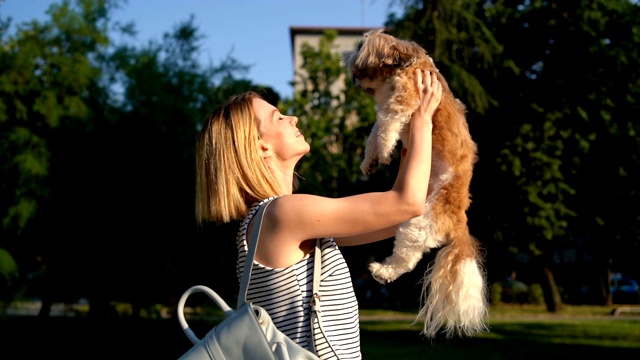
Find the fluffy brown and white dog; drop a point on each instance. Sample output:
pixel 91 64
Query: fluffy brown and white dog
pixel 454 288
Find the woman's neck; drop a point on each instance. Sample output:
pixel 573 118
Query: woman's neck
pixel 285 181
pixel 284 173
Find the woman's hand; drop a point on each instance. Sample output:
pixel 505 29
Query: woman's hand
pixel 430 91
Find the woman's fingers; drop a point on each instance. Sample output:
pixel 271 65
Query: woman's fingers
pixel 419 81
pixel 428 81
pixel 437 86
pixel 429 88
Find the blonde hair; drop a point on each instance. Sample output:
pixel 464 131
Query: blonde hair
pixel 230 172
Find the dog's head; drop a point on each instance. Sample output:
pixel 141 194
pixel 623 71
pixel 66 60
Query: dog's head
pixel 378 57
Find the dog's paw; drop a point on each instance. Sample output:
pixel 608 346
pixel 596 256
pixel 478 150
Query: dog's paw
pixel 385 159
pixel 380 272
pixel 368 166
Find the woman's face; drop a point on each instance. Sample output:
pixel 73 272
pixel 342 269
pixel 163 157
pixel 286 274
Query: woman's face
pixel 280 132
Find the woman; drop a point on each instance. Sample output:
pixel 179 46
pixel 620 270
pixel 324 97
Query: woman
pixel 246 155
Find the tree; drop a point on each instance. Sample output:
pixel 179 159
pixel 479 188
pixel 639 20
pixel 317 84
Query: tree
pixel 104 135
pixel 559 103
pixel 574 101
pixel 546 143
pixel 48 71
pixel 336 122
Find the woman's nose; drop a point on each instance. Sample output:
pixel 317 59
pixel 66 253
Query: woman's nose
pixel 294 120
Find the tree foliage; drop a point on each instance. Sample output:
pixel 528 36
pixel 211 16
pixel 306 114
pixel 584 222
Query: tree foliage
pixel 47 73
pixel 574 151
pixel 98 145
pixel 551 105
pixel 335 116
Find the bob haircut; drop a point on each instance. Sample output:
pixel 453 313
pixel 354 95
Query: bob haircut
pixel 230 172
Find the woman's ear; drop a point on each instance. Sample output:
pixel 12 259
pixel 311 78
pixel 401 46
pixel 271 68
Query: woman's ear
pixel 265 148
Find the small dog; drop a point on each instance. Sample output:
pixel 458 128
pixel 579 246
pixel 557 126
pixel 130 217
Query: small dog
pixel 454 288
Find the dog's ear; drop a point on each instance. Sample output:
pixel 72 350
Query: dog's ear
pixel 383 51
pixel 348 59
pixel 404 53
pixel 372 53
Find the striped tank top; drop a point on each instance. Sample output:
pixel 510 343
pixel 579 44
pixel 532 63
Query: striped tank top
pixel 285 294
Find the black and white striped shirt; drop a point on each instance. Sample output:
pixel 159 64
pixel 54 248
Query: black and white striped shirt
pixel 285 294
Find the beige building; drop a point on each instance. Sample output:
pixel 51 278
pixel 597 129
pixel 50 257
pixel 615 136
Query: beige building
pixel 347 39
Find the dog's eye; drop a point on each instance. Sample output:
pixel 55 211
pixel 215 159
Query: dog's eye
pixel 370 91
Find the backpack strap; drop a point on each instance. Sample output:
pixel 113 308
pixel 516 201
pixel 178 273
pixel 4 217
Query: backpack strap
pixel 314 304
pixel 251 253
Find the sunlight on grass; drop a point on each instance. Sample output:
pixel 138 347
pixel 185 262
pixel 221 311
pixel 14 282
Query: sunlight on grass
pixel 515 332
pixel 597 332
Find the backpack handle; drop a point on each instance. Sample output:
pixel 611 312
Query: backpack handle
pixel 183 299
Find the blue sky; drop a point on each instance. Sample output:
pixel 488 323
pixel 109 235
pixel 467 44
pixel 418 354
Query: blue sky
pixel 255 32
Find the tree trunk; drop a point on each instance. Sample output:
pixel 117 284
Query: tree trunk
pixel 605 281
pixel 552 297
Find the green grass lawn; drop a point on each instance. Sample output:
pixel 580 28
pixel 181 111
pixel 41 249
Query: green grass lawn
pixel 515 332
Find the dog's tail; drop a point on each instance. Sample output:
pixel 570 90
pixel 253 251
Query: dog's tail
pixel 454 292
